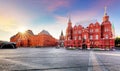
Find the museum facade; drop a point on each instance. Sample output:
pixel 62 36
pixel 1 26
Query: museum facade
pixel 95 35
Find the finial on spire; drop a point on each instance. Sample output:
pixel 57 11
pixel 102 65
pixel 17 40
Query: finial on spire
pixel 62 33
pixel 69 16
pixel 105 12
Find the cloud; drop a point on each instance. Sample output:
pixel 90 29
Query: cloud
pixel 61 19
pixel 52 5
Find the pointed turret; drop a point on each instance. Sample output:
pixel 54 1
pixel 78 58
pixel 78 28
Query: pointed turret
pixel 62 33
pixel 69 21
pixel 61 36
pixel 106 26
pixel 105 17
pixel 69 30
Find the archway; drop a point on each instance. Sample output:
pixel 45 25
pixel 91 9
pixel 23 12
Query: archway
pixel 28 43
pixel 84 46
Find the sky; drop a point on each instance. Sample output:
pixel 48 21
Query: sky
pixel 52 15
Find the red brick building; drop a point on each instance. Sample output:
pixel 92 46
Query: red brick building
pixel 28 39
pixel 94 35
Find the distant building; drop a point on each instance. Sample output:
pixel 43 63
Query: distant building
pixel 94 35
pixel 61 39
pixel 28 39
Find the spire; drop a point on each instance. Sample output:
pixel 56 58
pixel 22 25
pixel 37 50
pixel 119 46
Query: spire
pixel 105 17
pixel 62 33
pixel 69 19
pixel 105 11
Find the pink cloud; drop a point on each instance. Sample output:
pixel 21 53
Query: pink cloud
pixel 92 13
pixel 54 4
pixel 61 19
pixel 77 16
pixel 101 4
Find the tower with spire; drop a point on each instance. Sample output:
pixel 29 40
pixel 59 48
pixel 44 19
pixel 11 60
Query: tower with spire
pixel 61 36
pixel 106 30
pixel 61 39
pixel 97 35
pixel 69 30
pixel 105 17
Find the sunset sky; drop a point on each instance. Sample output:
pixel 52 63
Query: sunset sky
pixel 52 15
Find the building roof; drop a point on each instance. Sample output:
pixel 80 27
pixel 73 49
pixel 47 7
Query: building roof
pixel 6 42
pixel 44 32
pixel 86 23
pixel 30 32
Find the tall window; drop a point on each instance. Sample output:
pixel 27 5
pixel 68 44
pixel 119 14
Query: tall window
pixel 91 30
pixel 106 29
pixel 79 37
pixel 106 36
pixel 96 36
pixel 68 38
pixel 96 30
pixel 91 37
pixel 75 32
pixel 84 36
pixel 75 38
pixel 79 31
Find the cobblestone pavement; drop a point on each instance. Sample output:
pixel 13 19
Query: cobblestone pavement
pixel 52 59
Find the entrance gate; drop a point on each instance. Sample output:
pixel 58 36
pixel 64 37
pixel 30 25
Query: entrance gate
pixel 84 46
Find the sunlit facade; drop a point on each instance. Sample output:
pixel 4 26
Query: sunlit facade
pixel 28 39
pixel 95 35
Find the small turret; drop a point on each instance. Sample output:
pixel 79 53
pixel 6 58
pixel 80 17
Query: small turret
pixel 61 36
pixel 62 33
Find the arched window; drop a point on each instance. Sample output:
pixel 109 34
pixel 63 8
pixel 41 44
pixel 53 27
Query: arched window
pixel 96 30
pixel 75 38
pixel 79 31
pixel 106 36
pixel 75 32
pixel 106 29
pixel 91 37
pixel 96 36
pixel 79 37
pixel 91 30
pixel 84 36
pixel 68 38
